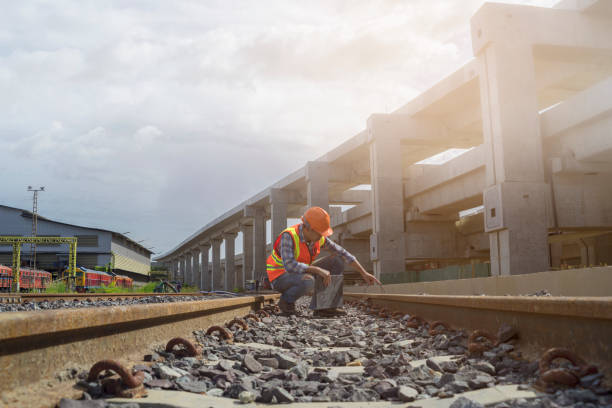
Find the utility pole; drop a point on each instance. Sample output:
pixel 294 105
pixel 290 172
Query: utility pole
pixel 34 224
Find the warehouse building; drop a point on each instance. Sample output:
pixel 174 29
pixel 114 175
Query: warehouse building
pixel 95 246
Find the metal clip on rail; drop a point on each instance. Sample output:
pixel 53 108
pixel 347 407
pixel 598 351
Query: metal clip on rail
pixel 481 341
pixel 552 377
pixel 252 317
pixel 438 327
pixel 223 332
pixel 188 349
pixel 415 322
pixel 238 322
pixel 127 386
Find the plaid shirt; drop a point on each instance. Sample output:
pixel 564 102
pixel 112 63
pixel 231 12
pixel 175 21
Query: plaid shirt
pixel 291 265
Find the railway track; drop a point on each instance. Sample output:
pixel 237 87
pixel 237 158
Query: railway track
pixel 69 297
pixel 381 353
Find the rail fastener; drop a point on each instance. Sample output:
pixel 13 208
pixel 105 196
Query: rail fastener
pixel 126 386
pixel 188 349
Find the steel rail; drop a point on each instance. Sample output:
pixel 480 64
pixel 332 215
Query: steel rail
pixel 582 324
pixel 42 297
pixel 39 344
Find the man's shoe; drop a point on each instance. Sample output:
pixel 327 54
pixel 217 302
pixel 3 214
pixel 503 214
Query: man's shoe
pixel 338 312
pixel 329 313
pixel 286 307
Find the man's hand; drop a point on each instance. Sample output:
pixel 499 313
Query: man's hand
pixel 326 276
pixel 370 279
pixel 367 277
pixel 320 272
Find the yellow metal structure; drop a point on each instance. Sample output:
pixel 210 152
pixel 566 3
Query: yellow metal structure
pixel 16 242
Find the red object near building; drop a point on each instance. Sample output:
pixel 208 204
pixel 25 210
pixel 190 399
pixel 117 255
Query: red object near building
pixel 29 279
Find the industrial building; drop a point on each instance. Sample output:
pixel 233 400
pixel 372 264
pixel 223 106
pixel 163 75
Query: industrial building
pixel 95 246
pixel 532 193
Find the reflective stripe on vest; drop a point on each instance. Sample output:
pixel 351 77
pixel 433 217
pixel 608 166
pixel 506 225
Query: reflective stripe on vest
pixel 274 264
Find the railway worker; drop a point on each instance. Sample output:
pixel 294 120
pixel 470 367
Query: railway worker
pixel 290 267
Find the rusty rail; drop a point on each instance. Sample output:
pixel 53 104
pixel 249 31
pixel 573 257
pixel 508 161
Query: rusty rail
pixel 583 324
pixel 80 337
pixel 42 297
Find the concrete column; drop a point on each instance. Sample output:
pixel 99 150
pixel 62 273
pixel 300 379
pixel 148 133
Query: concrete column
pixel 189 268
pixel 588 256
pixel 195 267
pixel 556 250
pixel 230 260
pixel 183 268
pixel 217 274
pixel 174 269
pixel 259 240
pixel 387 243
pixel 516 196
pixel 317 184
pixel 278 206
pixel 247 253
pixel 204 273
pixel 169 268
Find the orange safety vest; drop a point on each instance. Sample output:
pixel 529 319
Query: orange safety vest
pixel 274 264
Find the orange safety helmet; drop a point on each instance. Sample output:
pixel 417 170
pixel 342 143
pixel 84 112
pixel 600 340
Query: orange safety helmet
pixel 318 219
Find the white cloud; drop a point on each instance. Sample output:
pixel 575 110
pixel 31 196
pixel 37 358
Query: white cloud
pixel 161 115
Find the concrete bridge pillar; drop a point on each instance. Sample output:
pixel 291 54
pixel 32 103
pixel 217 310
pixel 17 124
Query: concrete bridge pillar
pixel 189 267
pixel 170 267
pixel 317 181
pixel 247 253
pixel 278 205
pixel 204 279
pixel 230 260
pixel 183 268
pixel 195 267
pixel 259 240
pixel 217 275
pixel 387 242
pixel 516 194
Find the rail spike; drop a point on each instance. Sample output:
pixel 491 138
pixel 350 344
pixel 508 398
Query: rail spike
pixel 415 322
pixel 226 334
pixel 188 350
pixel 239 322
pixel 438 327
pixel 480 341
pixel 128 386
pixel 261 313
pixel 252 317
pixel 550 377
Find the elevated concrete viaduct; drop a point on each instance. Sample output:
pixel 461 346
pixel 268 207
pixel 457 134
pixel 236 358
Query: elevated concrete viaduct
pixel 533 193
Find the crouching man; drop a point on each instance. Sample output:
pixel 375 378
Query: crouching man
pixel 291 267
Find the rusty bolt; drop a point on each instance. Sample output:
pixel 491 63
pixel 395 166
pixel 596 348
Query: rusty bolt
pixel 129 380
pixel 272 309
pixel 226 334
pixel 570 377
pixel 397 315
pixel 557 376
pixel 438 327
pixel 480 341
pixel 382 312
pixel 188 349
pixel 238 322
pixel 261 313
pixel 252 317
pixel 415 322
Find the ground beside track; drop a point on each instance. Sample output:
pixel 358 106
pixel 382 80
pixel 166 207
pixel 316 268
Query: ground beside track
pixel 108 300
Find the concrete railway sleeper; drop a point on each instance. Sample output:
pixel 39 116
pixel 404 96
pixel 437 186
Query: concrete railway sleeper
pixel 350 361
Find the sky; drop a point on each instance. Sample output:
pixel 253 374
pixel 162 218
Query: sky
pixel 155 117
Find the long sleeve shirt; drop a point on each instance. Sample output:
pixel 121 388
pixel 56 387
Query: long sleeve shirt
pixel 291 265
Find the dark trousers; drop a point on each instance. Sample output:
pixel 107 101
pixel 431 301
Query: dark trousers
pixel 293 286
